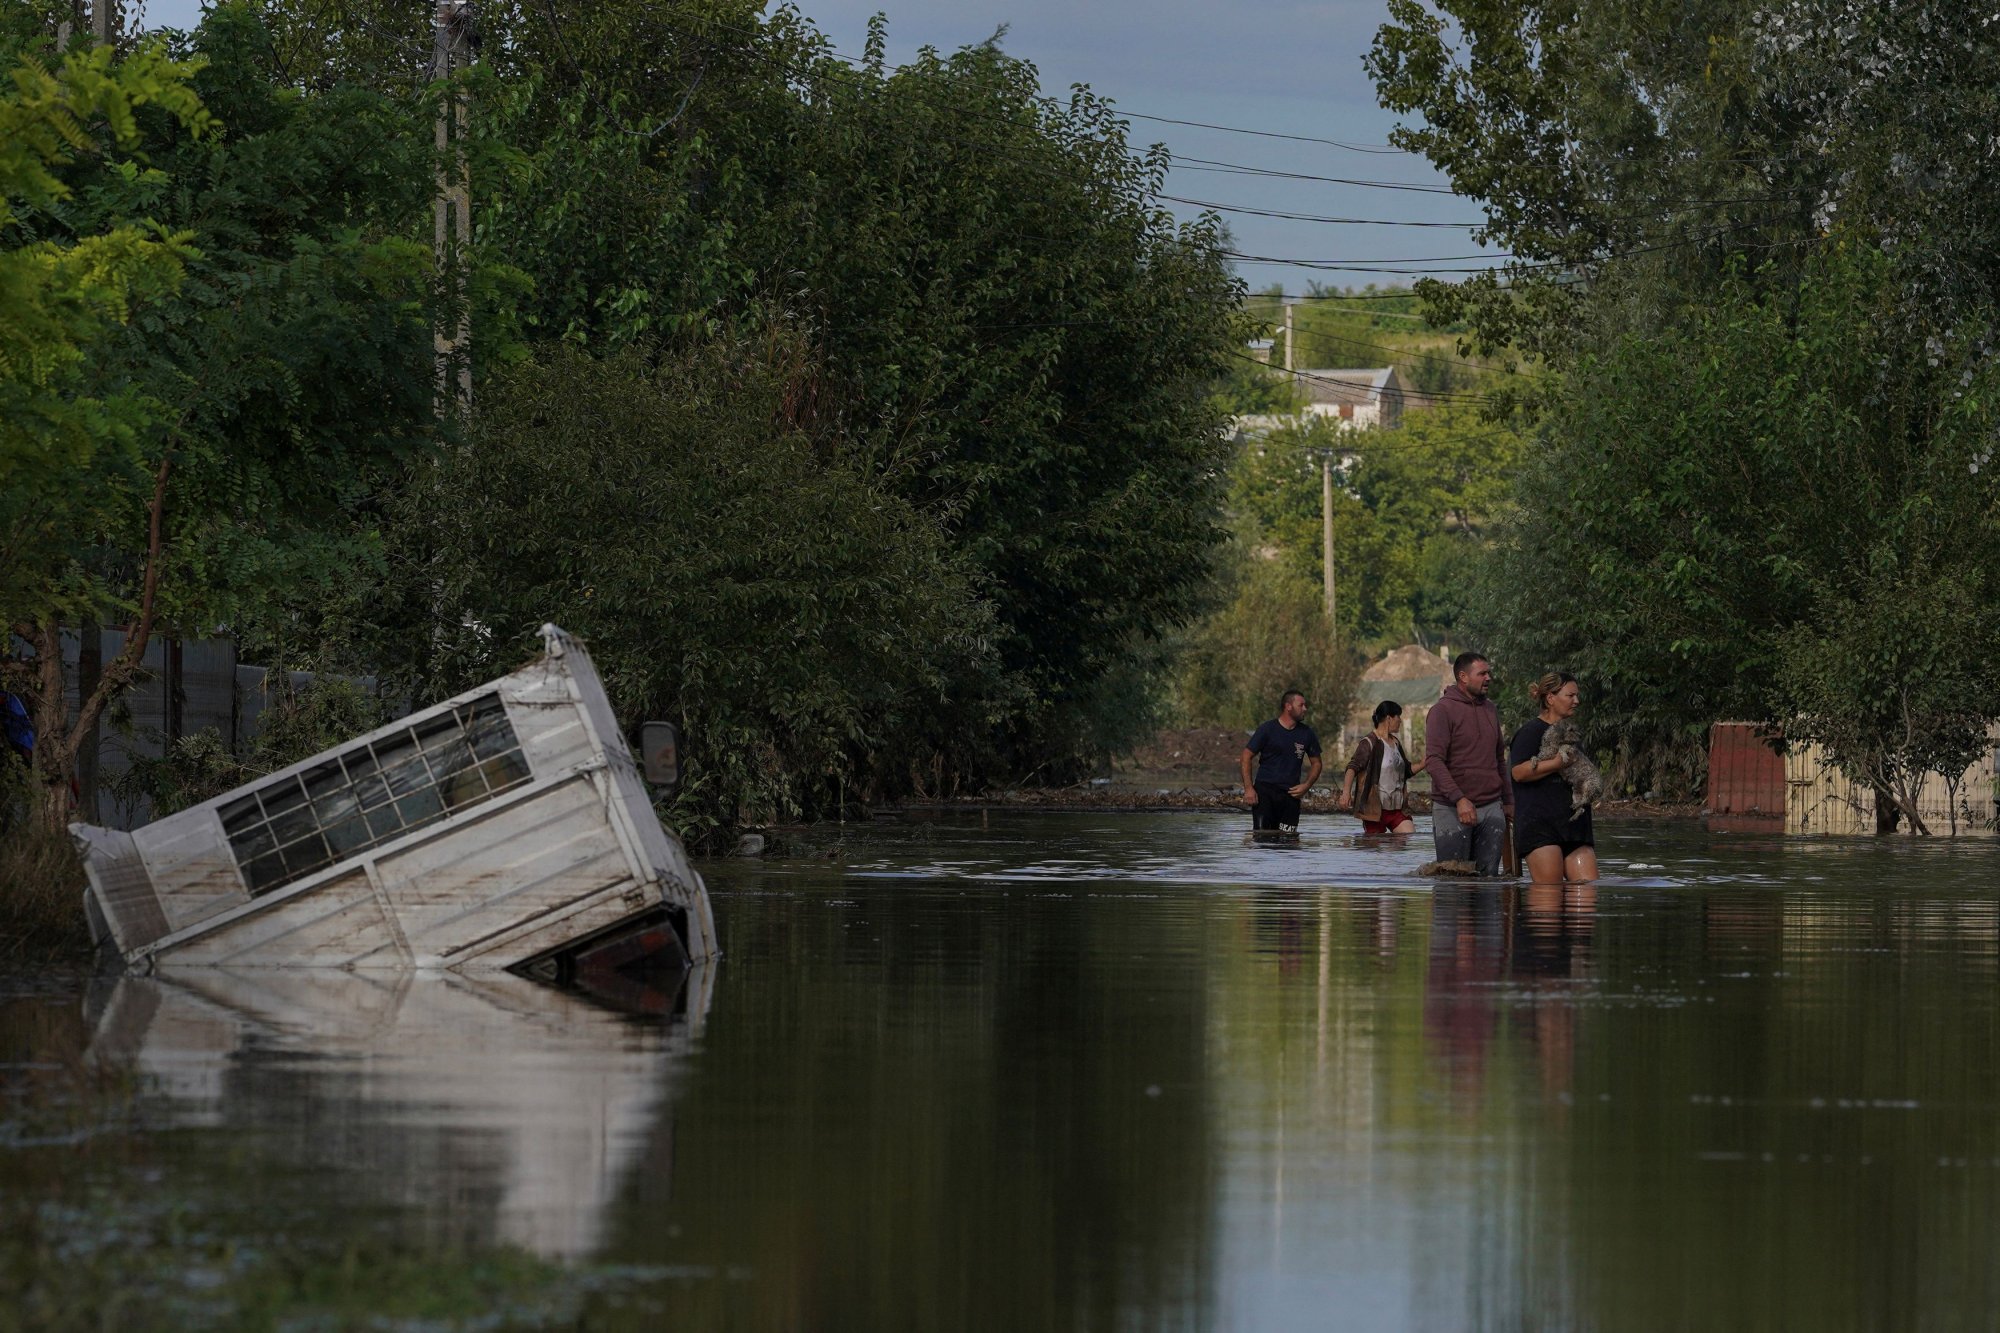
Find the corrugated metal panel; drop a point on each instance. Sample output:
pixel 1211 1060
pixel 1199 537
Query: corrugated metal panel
pixel 1746 774
pixel 1822 800
pixel 208 688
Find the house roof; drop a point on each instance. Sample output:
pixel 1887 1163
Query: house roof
pixel 1410 662
pixel 1375 381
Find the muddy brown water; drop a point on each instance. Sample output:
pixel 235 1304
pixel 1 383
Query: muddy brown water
pixel 1030 1071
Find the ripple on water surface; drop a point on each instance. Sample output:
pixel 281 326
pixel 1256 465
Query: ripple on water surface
pixel 1028 1070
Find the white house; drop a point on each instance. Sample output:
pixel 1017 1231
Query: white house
pixel 1350 399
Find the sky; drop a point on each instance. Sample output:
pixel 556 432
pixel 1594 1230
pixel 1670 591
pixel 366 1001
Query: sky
pixel 1281 67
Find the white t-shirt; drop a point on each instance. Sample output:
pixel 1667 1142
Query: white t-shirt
pixel 1389 785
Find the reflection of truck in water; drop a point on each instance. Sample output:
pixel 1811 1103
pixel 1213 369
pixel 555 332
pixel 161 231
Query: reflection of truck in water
pixel 508 827
pixel 489 1106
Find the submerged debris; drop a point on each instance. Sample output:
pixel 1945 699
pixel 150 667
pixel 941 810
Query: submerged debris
pixel 508 827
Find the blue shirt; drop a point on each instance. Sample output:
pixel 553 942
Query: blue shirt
pixel 1282 751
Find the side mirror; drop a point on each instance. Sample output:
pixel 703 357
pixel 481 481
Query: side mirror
pixel 660 753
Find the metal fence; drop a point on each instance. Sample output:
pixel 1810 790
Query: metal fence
pixel 187 686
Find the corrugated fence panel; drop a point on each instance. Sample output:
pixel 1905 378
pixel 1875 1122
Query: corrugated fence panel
pixel 1966 808
pixel 1822 800
pixel 1746 774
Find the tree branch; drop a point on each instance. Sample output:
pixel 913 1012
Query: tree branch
pixel 120 670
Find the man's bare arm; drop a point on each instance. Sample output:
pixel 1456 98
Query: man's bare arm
pixel 1249 788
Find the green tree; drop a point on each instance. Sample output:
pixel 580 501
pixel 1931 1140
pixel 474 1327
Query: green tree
pixel 1413 508
pixel 1715 518
pixel 731 566
pixel 1271 635
pixel 265 392
pixel 63 294
pixel 1017 341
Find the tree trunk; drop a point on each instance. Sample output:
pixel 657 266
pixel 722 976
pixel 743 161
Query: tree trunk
pixel 1887 812
pixel 1917 825
pixel 58 740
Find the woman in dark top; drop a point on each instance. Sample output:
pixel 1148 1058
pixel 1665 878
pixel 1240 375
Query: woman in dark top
pixel 1554 846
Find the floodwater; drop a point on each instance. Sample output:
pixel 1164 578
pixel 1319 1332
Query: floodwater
pixel 1031 1071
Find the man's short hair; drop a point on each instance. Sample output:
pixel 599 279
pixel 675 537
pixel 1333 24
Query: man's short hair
pixel 1288 696
pixel 1463 662
pixel 1387 708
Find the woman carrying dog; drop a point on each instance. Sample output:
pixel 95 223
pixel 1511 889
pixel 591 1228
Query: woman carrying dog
pixel 1384 772
pixel 1553 845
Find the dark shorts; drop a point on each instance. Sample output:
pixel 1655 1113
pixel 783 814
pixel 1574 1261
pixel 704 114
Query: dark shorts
pixel 1557 830
pixel 1277 810
pixel 1392 821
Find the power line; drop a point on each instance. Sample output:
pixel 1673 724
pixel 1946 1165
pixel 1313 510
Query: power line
pixel 1406 352
pixel 1439 396
pixel 828 49
pixel 1359 266
pixel 1239 169
pixel 1341 265
pixel 1314 217
pixel 1300 298
pixel 1270 134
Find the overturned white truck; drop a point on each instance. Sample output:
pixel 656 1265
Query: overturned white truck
pixel 506 828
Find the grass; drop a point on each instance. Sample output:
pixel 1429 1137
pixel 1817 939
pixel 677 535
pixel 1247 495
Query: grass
pixel 153 1263
pixel 41 895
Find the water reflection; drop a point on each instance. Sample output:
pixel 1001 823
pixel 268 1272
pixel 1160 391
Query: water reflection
pixel 1099 1072
pixel 486 1109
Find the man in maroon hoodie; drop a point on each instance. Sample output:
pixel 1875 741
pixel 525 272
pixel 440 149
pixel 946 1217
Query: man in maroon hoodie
pixel 1472 794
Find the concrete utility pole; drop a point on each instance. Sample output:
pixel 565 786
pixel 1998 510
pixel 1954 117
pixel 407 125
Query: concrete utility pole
pixel 100 19
pixel 452 51
pixel 1288 337
pixel 1326 536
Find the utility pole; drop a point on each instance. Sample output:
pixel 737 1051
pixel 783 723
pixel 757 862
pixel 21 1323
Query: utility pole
pixel 100 19
pixel 1288 337
pixel 451 52
pixel 1326 536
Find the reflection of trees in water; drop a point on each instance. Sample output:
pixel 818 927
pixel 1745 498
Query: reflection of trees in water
pixel 915 1115
pixel 1738 1108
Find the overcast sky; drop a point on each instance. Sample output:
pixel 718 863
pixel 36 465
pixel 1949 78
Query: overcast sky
pixel 1284 66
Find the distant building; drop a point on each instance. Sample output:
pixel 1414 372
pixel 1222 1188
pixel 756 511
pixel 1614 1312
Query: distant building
pixel 1357 398
pixel 1414 677
pixel 1348 399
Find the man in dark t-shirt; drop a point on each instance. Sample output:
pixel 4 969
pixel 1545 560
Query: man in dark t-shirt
pixel 1285 752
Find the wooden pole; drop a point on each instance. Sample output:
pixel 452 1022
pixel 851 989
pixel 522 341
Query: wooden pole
pixel 1288 337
